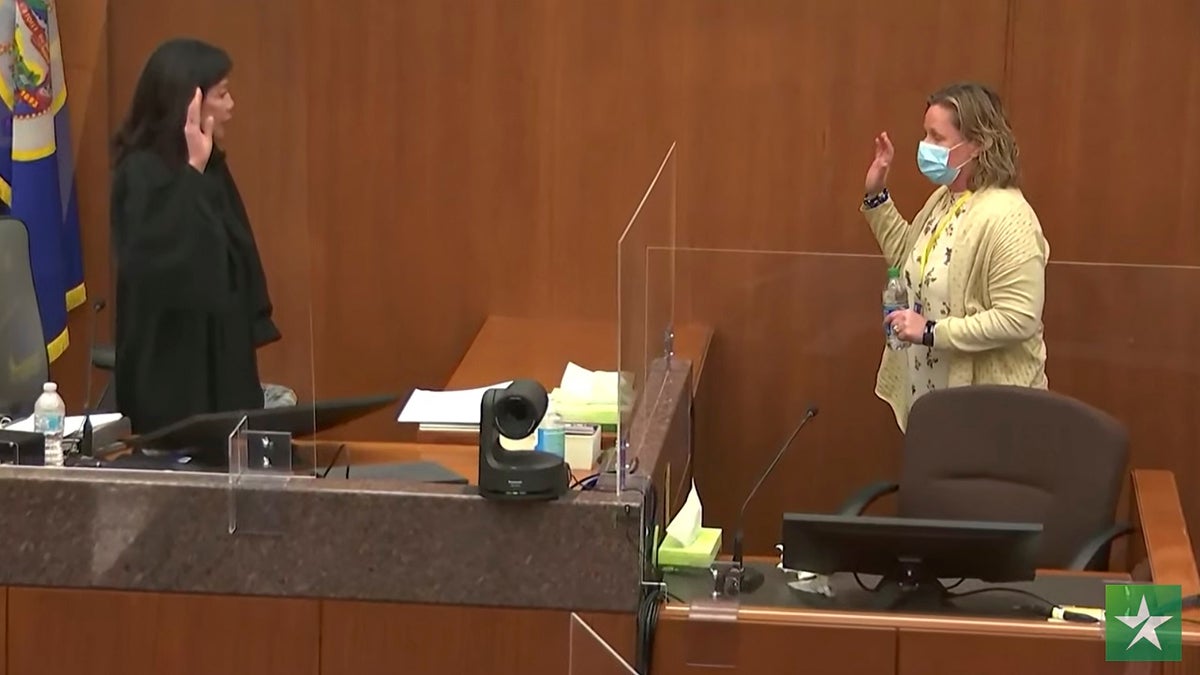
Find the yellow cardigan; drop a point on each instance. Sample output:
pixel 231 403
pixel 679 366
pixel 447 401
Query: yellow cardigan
pixel 997 279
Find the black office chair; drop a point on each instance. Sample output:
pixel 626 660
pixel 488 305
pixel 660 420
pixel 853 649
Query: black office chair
pixel 104 357
pixel 24 363
pixel 999 453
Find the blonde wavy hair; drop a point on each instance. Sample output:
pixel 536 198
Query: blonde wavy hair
pixel 979 115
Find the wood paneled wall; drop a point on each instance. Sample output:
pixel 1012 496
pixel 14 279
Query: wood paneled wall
pixel 85 39
pixel 413 166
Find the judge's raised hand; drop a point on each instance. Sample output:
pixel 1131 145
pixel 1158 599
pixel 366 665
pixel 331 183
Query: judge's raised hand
pixel 877 173
pixel 199 134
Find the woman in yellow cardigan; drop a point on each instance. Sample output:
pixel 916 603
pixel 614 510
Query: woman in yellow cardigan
pixel 973 259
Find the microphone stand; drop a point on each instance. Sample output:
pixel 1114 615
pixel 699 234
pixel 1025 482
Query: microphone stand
pixel 735 578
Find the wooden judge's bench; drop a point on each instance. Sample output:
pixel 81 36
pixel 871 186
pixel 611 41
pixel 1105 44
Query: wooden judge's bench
pixel 108 571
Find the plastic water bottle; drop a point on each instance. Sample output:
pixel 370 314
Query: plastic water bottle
pixel 552 434
pixel 895 297
pixel 49 417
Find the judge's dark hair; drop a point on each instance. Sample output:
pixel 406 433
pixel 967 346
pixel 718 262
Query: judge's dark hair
pixel 165 88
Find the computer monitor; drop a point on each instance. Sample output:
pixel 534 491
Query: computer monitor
pixel 911 555
pixel 206 436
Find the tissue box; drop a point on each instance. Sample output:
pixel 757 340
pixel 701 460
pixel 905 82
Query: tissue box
pixel 583 446
pixel 701 553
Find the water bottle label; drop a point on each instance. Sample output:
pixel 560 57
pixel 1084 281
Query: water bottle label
pixel 888 308
pixel 48 423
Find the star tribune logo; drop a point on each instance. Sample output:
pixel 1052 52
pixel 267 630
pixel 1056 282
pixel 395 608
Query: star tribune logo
pixel 1142 623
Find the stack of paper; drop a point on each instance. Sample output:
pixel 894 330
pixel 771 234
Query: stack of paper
pixel 588 396
pixel 450 408
pixel 72 426
pixel 583 397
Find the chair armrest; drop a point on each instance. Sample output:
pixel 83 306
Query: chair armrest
pixel 1093 546
pixel 104 357
pixel 864 497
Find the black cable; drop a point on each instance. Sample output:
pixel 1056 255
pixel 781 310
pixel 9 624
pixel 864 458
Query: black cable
pixel 653 588
pixel 647 623
pixel 1067 615
pixel 585 483
pixel 336 456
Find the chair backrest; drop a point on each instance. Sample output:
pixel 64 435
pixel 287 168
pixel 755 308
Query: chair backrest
pixel 1002 453
pixel 24 364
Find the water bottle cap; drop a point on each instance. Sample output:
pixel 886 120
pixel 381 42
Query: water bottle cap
pixel 50 387
pixel 893 272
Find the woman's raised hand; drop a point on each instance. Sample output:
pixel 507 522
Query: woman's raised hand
pixel 199 134
pixel 877 173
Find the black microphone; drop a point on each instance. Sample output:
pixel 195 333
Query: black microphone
pixel 751 579
pixel 85 442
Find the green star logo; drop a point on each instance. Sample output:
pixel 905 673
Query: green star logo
pixel 1143 623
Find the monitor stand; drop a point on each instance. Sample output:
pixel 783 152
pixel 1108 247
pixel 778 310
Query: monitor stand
pixel 910 587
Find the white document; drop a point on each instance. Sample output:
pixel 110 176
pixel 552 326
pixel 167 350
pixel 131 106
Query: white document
pixel 72 426
pixel 454 406
pixel 685 526
pixel 589 386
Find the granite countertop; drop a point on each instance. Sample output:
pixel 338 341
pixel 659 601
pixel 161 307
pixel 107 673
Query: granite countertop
pixel 304 537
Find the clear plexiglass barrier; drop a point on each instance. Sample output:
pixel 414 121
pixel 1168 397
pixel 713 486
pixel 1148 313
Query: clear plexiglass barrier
pixel 644 312
pixel 261 463
pixel 799 330
pixel 794 332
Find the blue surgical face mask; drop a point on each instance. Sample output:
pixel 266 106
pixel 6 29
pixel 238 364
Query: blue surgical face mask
pixel 934 162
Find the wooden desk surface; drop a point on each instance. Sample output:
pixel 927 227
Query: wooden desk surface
pixel 833 641
pixel 506 348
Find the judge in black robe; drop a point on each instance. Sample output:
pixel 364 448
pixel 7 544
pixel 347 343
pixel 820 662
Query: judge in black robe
pixel 192 302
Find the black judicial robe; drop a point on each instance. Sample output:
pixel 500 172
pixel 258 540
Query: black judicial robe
pixel 192 301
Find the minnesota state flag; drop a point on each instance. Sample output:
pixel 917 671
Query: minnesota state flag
pixel 37 169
